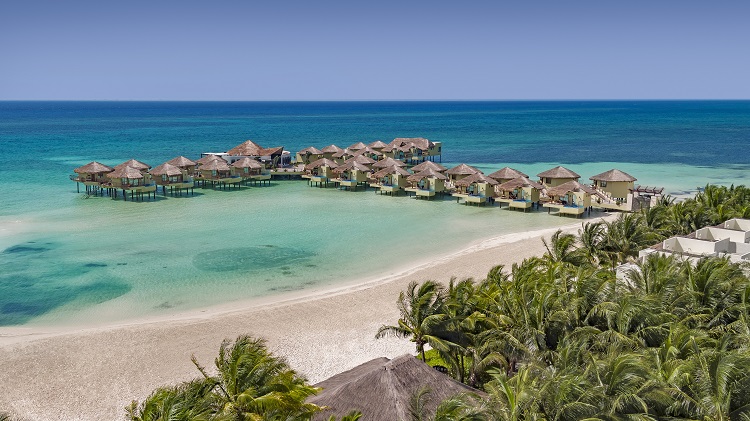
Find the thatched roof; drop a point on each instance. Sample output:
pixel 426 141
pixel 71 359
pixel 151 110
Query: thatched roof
pixel 312 150
pixel 246 163
pixel 343 153
pixel 391 170
pixel 352 165
pixel 558 172
pixel 357 146
pixel 166 169
pixel 322 162
pixel 428 164
pixel 613 175
pixel 378 144
pixel 138 165
pixel 368 150
pixel 181 162
pixel 417 142
pixel 125 172
pixel 428 173
pixel 361 159
pixel 462 169
pixel 570 186
pixel 388 162
pixel 381 389
pixel 250 148
pixel 476 178
pixel 331 149
pixel 208 158
pixel 519 182
pixel 215 165
pixel 506 173
pixel 93 167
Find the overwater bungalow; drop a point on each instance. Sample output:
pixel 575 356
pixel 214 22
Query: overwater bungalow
pixel 269 157
pixel 390 180
pixel 184 163
pixel 217 172
pixel 357 146
pixel 92 175
pixel 308 155
pixel 429 165
pixel 173 178
pixel 571 198
pixel 370 153
pixel 342 156
pixel 557 176
pixel 320 172
pixel 506 174
pixel 615 189
pixel 329 150
pixel 378 145
pixel 460 171
pixel 351 174
pixel 475 189
pixel 361 159
pixel 248 169
pixel 130 180
pixel 206 158
pixel 426 183
pixel 132 163
pixel 413 149
pixel 519 193
pixel 388 162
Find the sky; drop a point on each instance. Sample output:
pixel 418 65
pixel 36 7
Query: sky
pixel 375 50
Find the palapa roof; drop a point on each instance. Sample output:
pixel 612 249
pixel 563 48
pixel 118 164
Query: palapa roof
pixel 613 175
pixel 462 169
pixel 331 149
pixel 506 173
pixel 93 167
pixel 381 389
pixel 391 170
pixel 138 165
pixel 182 162
pixel 125 172
pixel 246 163
pixel 215 165
pixel 417 142
pixel 476 178
pixel 388 162
pixel 379 144
pixel 519 182
pixel 342 153
pixel 570 186
pixel 250 148
pixel 166 169
pixel 312 150
pixel 208 158
pixel 558 172
pixel 352 165
pixel 357 146
pixel 368 150
pixel 428 164
pixel 428 173
pixel 361 159
pixel 322 162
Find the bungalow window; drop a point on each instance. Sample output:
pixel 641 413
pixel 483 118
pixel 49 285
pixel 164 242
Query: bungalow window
pixel 602 184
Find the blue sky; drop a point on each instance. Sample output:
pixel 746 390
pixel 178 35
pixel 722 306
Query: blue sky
pixel 331 50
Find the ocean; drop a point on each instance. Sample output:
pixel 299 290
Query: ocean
pixel 67 260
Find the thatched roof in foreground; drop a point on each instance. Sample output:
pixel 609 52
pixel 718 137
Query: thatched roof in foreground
pixel 428 164
pixel 462 169
pixel 322 162
pixel 388 162
pixel 166 169
pixel 476 178
pixel 613 175
pixel 93 168
pixel 138 165
pixel 181 162
pixel 381 389
pixel 558 172
pixel 570 186
pixel 125 172
pixel 247 163
pixel 428 173
pixel 506 173
pixel 519 182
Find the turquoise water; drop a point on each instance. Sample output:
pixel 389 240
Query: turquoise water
pixel 67 260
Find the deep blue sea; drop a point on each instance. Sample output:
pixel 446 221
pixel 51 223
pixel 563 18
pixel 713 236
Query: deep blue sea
pixel 69 260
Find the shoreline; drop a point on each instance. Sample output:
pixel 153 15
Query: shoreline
pixel 93 373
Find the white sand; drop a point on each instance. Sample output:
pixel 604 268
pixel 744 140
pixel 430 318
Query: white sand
pixel 93 373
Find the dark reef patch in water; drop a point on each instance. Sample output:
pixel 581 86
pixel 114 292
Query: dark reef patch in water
pixel 95 265
pixel 30 247
pixel 253 258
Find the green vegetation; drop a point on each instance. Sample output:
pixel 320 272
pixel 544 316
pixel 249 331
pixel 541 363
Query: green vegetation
pixel 562 337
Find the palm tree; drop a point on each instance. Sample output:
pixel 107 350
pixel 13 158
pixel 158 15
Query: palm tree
pixel 420 308
pixel 561 249
pixel 352 416
pixel 185 402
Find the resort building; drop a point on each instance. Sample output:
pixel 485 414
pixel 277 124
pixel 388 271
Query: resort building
pixel 361 159
pixel 92 175
pixel 352 174
pixel 426 183
pixel 320 172
pixel 370 153
pixel 460 171
pixel 519 193
pixel 506 174
pixel 693 249
pixel 130 180
pixel 737 224
pixel 308 155
pixel 269 157
pixel 571 198
pixel 388 162
pixel 475 189
pixel 132 163
pixel 390 180
pixel 329 150
pixel 413 149
pixel 557 176
pixel 210 157
pixel 184 163
pixel 614 189
pixel 217 172
pixel 169 176
pixel 249 169
pixel 342 156
pixel 429 165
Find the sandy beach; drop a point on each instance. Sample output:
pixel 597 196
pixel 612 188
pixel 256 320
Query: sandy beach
pixel 93 373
